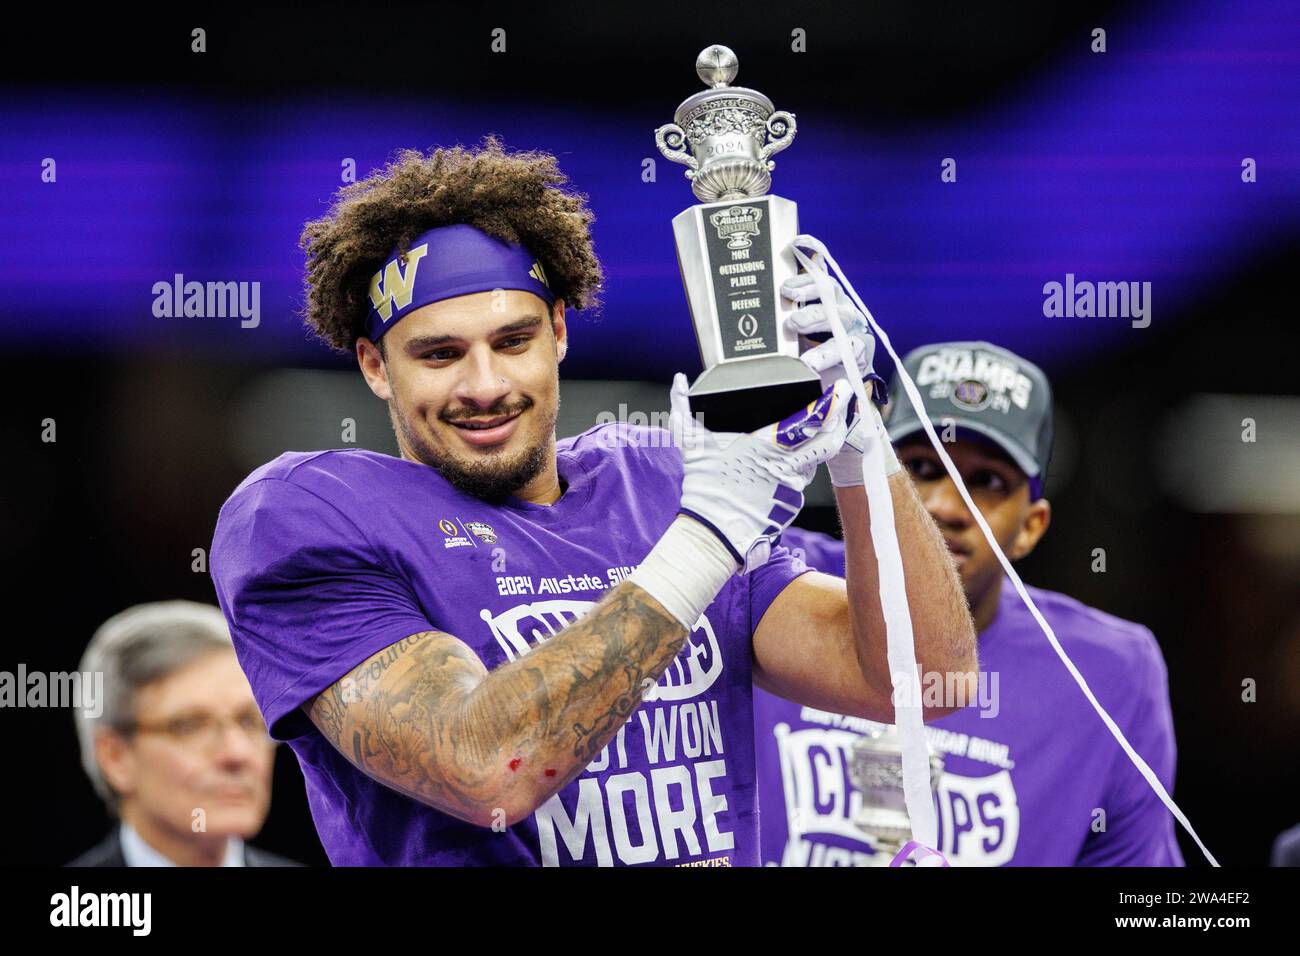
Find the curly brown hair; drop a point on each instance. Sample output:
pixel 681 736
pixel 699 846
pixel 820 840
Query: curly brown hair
pixel 515 196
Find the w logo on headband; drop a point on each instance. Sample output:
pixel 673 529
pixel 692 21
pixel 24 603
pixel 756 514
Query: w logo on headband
pixel 538 273
pixel 390 286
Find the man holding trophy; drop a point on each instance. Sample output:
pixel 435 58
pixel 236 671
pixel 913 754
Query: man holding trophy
pixel 504 649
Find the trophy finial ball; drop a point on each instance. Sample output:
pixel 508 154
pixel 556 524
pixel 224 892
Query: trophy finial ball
pixel 716 66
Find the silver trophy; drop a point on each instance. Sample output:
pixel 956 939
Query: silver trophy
pixel 877 771
pixel 733 250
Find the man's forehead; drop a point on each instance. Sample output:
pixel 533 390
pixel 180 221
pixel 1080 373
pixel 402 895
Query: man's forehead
pixel 212 676
pixel 480 313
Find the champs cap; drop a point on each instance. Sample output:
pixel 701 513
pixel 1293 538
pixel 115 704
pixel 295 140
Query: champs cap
pixel 984 390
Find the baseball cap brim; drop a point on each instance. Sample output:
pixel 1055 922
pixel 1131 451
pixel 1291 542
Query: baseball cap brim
pixel 908 425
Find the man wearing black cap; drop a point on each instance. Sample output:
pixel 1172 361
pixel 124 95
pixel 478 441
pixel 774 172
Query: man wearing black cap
pixel 1032 777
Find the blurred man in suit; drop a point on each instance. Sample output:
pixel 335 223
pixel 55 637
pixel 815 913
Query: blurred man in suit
pixel 179 754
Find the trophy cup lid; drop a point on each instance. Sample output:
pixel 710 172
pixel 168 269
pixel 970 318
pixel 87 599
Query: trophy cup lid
pixel 716 66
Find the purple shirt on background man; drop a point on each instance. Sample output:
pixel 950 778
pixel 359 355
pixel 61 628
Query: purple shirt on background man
pixel 1030 784
pixel 322 559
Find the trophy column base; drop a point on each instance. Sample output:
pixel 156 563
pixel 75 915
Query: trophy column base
pixel 744 396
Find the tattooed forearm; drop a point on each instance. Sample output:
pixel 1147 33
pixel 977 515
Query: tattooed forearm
pixel 561 703
pixel 588 685
pixel 385 715
pixel 426 718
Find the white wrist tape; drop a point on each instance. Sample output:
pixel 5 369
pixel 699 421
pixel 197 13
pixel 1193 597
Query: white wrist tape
pixel 892 465
pixel 846 467
pixel 685 570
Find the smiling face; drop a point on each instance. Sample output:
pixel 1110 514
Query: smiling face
pixel 473 389
pixel 1001 492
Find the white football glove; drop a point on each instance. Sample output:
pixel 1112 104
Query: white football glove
pixel 747 488
pixel 824 358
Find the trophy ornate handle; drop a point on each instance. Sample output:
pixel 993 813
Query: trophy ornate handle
pixel 781 128
pixel 671 140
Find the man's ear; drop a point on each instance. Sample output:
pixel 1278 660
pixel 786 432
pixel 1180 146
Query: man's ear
pixel 115 758
pixel 374 368
pixel 1032 529
pixel 561 330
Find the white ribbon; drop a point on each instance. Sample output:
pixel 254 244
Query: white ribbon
pixel 899 640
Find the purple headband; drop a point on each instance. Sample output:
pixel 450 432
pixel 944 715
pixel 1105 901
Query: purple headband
pixel 445 262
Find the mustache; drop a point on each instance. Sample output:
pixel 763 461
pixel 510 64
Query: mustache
pixel 495 411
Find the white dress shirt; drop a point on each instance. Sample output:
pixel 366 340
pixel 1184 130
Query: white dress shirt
pixel 138 853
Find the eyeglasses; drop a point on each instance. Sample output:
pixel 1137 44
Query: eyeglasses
pixel 204 731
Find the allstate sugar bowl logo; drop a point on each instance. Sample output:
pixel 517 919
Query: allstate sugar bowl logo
pixel 736 224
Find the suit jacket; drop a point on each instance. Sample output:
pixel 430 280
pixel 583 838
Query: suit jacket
pixel 109 853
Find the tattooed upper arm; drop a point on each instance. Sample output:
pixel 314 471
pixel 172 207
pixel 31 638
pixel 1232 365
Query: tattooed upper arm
pixel 398 715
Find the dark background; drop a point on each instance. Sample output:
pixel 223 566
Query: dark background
pixel 182 158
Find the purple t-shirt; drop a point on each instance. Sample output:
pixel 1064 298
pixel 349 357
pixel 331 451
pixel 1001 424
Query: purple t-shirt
pixel 1027 770
pixel 322 559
